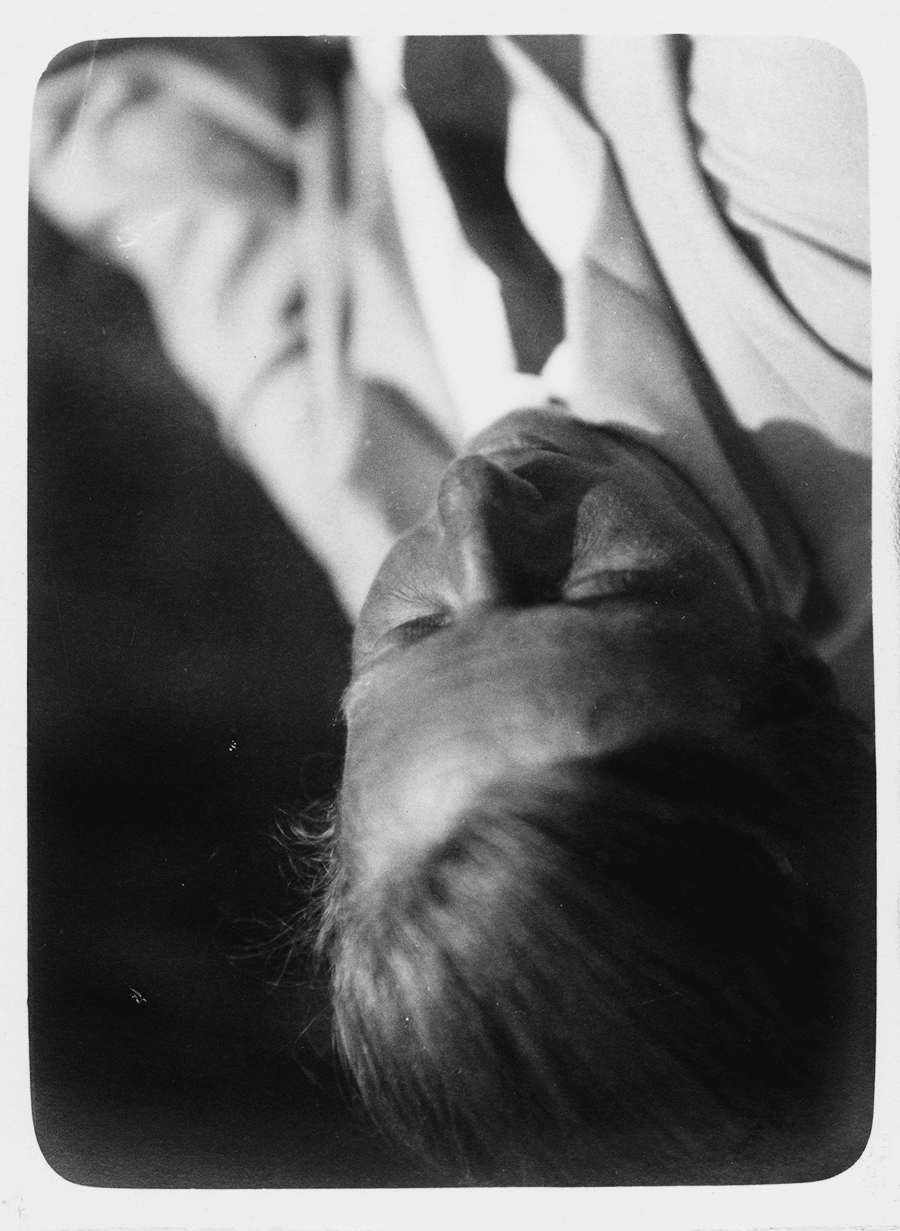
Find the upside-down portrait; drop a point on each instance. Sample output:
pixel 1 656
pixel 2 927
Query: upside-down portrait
pixel 451 686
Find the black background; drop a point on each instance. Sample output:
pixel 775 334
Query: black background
pixel 186 660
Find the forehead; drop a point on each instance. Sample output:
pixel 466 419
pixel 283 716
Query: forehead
pixel 507 693
pixel 513 692
pixel 431 730
pixel 536 652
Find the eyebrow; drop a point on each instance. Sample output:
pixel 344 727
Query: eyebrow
pixel 360 679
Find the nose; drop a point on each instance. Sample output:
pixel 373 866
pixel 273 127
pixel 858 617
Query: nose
pixel 491 530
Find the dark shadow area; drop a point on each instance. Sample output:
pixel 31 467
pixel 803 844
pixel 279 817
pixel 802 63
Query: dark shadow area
pixel 186 663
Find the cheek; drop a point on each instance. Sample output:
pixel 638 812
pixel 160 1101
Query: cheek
pixel 622 526
pixel 703 666
pixel 407 585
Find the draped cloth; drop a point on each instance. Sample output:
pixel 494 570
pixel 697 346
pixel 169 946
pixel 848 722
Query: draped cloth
pixel 697 208
pixel 705 206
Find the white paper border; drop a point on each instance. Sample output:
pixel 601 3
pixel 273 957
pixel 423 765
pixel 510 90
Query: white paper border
pixel 32 1195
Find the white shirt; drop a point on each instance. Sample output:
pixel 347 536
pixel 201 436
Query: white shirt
pixel 717 209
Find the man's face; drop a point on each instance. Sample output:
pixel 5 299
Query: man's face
pixel 568 594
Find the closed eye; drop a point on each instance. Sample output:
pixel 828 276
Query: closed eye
pixel 643 583
pixel 416 630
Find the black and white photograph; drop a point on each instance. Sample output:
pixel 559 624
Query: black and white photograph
pixel 451 731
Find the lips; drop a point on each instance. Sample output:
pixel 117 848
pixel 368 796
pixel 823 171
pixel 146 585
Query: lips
pixel 515 437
